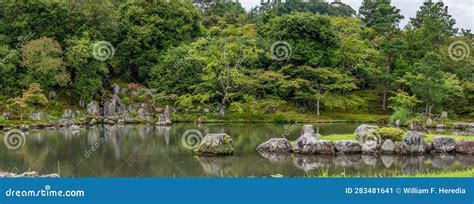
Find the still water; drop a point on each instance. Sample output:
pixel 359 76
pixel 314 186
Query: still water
pixel 148 151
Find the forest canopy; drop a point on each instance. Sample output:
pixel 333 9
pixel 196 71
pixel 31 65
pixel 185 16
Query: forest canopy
pixel 306 56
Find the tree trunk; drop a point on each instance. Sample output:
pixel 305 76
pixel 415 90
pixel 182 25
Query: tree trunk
pixel 427 108
pixel 317 108
pixel 386 83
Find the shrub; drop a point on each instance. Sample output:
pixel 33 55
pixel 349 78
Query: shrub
pixel 394 134
pixel 2 119
pixel 401 114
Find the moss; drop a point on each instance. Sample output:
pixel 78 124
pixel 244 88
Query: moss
pixel 394 134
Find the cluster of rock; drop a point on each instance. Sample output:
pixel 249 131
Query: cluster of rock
pixel 32 174
pixel 412 144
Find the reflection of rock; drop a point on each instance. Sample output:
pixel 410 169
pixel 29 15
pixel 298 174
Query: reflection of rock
pixel 411 164
pixel 347 160
pixel 311 162
pixel 363 131
pixel 277 145
pixel 387 160
pixel 465 147
pixel 347 147
pixel 413 144
pixel 276 157
pixel 369 160
pixel 466 161
pixel 443 161
pixel 444 144
pixel 214 165
pixel 165 132
pixel 216 144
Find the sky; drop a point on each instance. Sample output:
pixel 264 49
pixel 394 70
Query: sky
pixel 461 10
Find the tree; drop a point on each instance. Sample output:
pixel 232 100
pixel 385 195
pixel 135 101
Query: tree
pixel 31 98
pixel 320 83
pixel 430 84
pixel 150 28
pixel 384 19
pixel 88 71
pixel 311 39
pixel 44 63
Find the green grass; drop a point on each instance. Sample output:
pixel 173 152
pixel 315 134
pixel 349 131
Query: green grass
pixel 465 173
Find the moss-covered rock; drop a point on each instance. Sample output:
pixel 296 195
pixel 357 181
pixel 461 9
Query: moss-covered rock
pixel 216 144
pixel 394 134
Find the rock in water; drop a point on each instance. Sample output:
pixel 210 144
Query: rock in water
pixel 443 144
pixel 417 126
pixel 275 145
pixel 216 144
pixel 413 144
pixel 363 131
pixel 305 144
pixel 307 130
pixel 369 147
pixel 348 147
pixel 164 119
pixel 465 147
pixel 93 108
pixel 64 123
pixel 325 147
pixel 388 147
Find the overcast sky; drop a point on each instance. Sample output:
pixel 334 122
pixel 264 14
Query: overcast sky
pixel 461 10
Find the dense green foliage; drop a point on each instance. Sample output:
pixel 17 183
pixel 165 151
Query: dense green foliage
pixel 220 57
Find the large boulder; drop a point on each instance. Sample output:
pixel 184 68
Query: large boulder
pixel 465 147
pixel 444 144
pixel 38 115
pixel 388 147
pixel 325 147
pixel 369 147
pixel 275 145
pixel 348 147
pixel 413 144
pixel 307 130
pixel 164 119
pixel 216 144
pixel 305 145
pixel 68 114
pixel 93 108
pixel 363 131
pixel 64 123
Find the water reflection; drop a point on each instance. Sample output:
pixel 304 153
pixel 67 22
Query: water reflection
pixel 149 151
